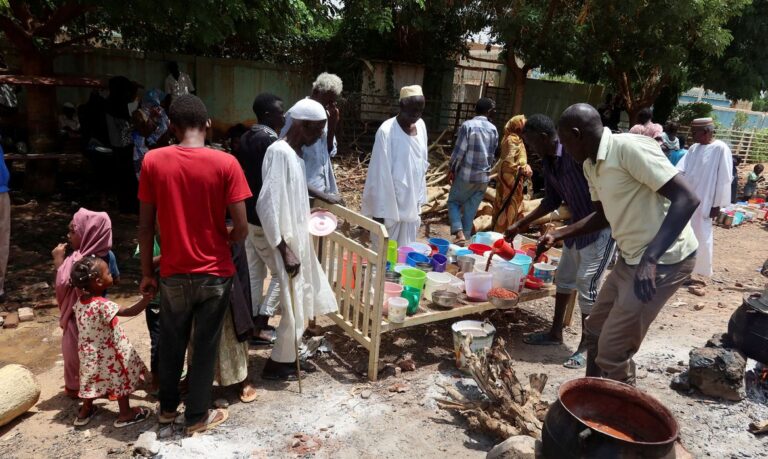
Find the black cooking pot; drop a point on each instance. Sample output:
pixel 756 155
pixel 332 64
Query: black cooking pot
pixel 601 418
pixel 748 328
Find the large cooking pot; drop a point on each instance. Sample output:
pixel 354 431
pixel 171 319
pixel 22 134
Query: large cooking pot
pixel 748 327
pixel 601 418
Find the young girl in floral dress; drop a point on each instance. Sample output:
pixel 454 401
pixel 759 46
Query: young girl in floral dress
pixel 109 366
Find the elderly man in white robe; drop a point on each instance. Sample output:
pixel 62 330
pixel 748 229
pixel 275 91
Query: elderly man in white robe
pixel 396 185
pixel 283 208
pixel 707 167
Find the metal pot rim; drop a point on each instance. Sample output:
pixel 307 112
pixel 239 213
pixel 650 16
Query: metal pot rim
pixel 631 392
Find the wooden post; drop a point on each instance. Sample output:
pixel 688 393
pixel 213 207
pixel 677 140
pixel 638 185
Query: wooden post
pixel 568 320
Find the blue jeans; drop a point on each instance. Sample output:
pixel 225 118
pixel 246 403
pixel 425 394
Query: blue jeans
pixel 463 201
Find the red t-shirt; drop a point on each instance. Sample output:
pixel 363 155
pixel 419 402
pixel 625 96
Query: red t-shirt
pixel 191 189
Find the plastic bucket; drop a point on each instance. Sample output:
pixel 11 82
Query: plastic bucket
pixel 392 289
pixel 422 248
pixel 402 253
pixel 494 236
pixel 479 249
pixel 523 262
pixel 435 282
pixel 482 338
pixel 397 310
pixel 478 285
pixel 412 277
pixel 545 272
pixel 414 257
pixel 392 252
pixel 506 276
pixel 439 262
pixel 441 244
pixel 484 238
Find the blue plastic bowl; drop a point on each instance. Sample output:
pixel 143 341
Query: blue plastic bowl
pixel 415 257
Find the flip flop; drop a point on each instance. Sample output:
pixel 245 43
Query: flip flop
pixel 258 341
pixel 167 418
pixel 80 422
pixel 215 418
pixel 250 397
pixel 140 416
pixel 576 362
pixel 540 339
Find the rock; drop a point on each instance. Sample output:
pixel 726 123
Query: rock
pixel 719 340
pixel 366 394
pixel 718 372
pixel 221 403
pixel 26 314
pixel 720 305
pixel 738 285
pixel 673 370
pixel 295 444
pixel 398 388
pixel 147 444
pixel 697 291
pixel 20 391
pixel 2 321
pixel 680 382
pixel 698 307
pixel 11 320
pixel 407 365
pixel 46 304
pixel 165 431
pixel 517 447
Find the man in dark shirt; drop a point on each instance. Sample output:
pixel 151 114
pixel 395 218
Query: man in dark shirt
pixel 585 258
pixel 253 145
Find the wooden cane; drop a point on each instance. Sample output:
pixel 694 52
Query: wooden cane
pixel 295 338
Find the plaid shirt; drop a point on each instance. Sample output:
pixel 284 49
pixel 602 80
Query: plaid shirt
pixel 475 150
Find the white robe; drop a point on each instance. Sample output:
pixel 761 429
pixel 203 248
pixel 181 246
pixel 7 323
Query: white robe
pixel 283 207
pixel 708 170
pixel 396 185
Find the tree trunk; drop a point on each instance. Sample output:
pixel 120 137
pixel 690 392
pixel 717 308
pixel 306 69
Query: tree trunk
pixel 520 80
pixel 41 103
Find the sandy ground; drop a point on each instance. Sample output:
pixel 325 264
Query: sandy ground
pixel 333 419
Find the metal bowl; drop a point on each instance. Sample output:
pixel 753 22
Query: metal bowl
pixel 445 299
pixel 503 303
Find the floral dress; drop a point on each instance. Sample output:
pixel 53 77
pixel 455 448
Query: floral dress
pixel 109 365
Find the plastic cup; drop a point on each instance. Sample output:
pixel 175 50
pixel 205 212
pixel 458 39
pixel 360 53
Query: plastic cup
pixel 412 277
pixel 466 263
pixel 484 238
pixel 478 285
pixel 392 252
pixel 439 262
pixel 545 272
pixel 402 253
pixel 441 244
pixel 398 307
pixel 504 249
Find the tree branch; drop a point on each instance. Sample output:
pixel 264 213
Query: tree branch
pixel 61 16
pixel 61 46
pixel 16 34
pixel 21 12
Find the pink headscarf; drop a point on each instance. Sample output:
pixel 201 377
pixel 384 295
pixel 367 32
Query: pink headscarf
pixel 649 129
pixel 95 231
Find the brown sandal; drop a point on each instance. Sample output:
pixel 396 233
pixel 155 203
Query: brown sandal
pixel 215 418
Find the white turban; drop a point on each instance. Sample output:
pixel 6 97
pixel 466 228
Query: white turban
pixel 308 110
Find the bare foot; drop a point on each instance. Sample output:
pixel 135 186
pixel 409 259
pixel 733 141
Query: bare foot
pixel 248 392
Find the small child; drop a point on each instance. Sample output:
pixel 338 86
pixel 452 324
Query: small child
pixel 753 179
pixel 109 366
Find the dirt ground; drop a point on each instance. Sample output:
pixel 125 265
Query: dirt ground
pixel 341 414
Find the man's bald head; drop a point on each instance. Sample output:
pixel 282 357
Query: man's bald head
pixel 580 130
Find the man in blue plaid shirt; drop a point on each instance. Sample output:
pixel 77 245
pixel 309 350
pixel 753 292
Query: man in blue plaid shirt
pixel 471 162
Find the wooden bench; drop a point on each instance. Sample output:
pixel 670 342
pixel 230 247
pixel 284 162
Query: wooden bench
pixel 360 291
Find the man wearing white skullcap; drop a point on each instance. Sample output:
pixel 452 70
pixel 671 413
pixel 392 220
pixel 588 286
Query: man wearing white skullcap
pixel 396 185
pixel 708 169
pixel 283 209
pixel 321 182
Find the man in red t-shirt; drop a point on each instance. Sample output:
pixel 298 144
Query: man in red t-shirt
pixel 189 189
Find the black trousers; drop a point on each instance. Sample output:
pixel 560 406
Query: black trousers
pixel 199 301
pixel 152 314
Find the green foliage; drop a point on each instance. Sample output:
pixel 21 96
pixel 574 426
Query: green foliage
pixel 640 46
pixel 686 113
pixel 741 71
pixel 739 121
pixel 760 104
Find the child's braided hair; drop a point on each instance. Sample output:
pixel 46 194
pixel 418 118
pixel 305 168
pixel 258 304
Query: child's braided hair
pixel 83 272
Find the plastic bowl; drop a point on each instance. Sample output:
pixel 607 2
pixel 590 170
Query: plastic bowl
pixel 479 249
pixel 414 258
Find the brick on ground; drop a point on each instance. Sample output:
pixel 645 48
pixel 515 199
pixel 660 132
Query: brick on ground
pixel 26 314
pixel 11 320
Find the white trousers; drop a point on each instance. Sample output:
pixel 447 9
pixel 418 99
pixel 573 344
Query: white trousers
pixel 260 258
pixel 702 228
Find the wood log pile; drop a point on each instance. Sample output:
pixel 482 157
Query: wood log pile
pixel 510 408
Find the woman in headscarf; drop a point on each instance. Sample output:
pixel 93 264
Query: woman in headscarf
pixel 514 159
pixel 150 126
pixel 90 234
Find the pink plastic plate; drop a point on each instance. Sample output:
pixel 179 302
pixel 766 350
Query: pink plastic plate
pixel 322 223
